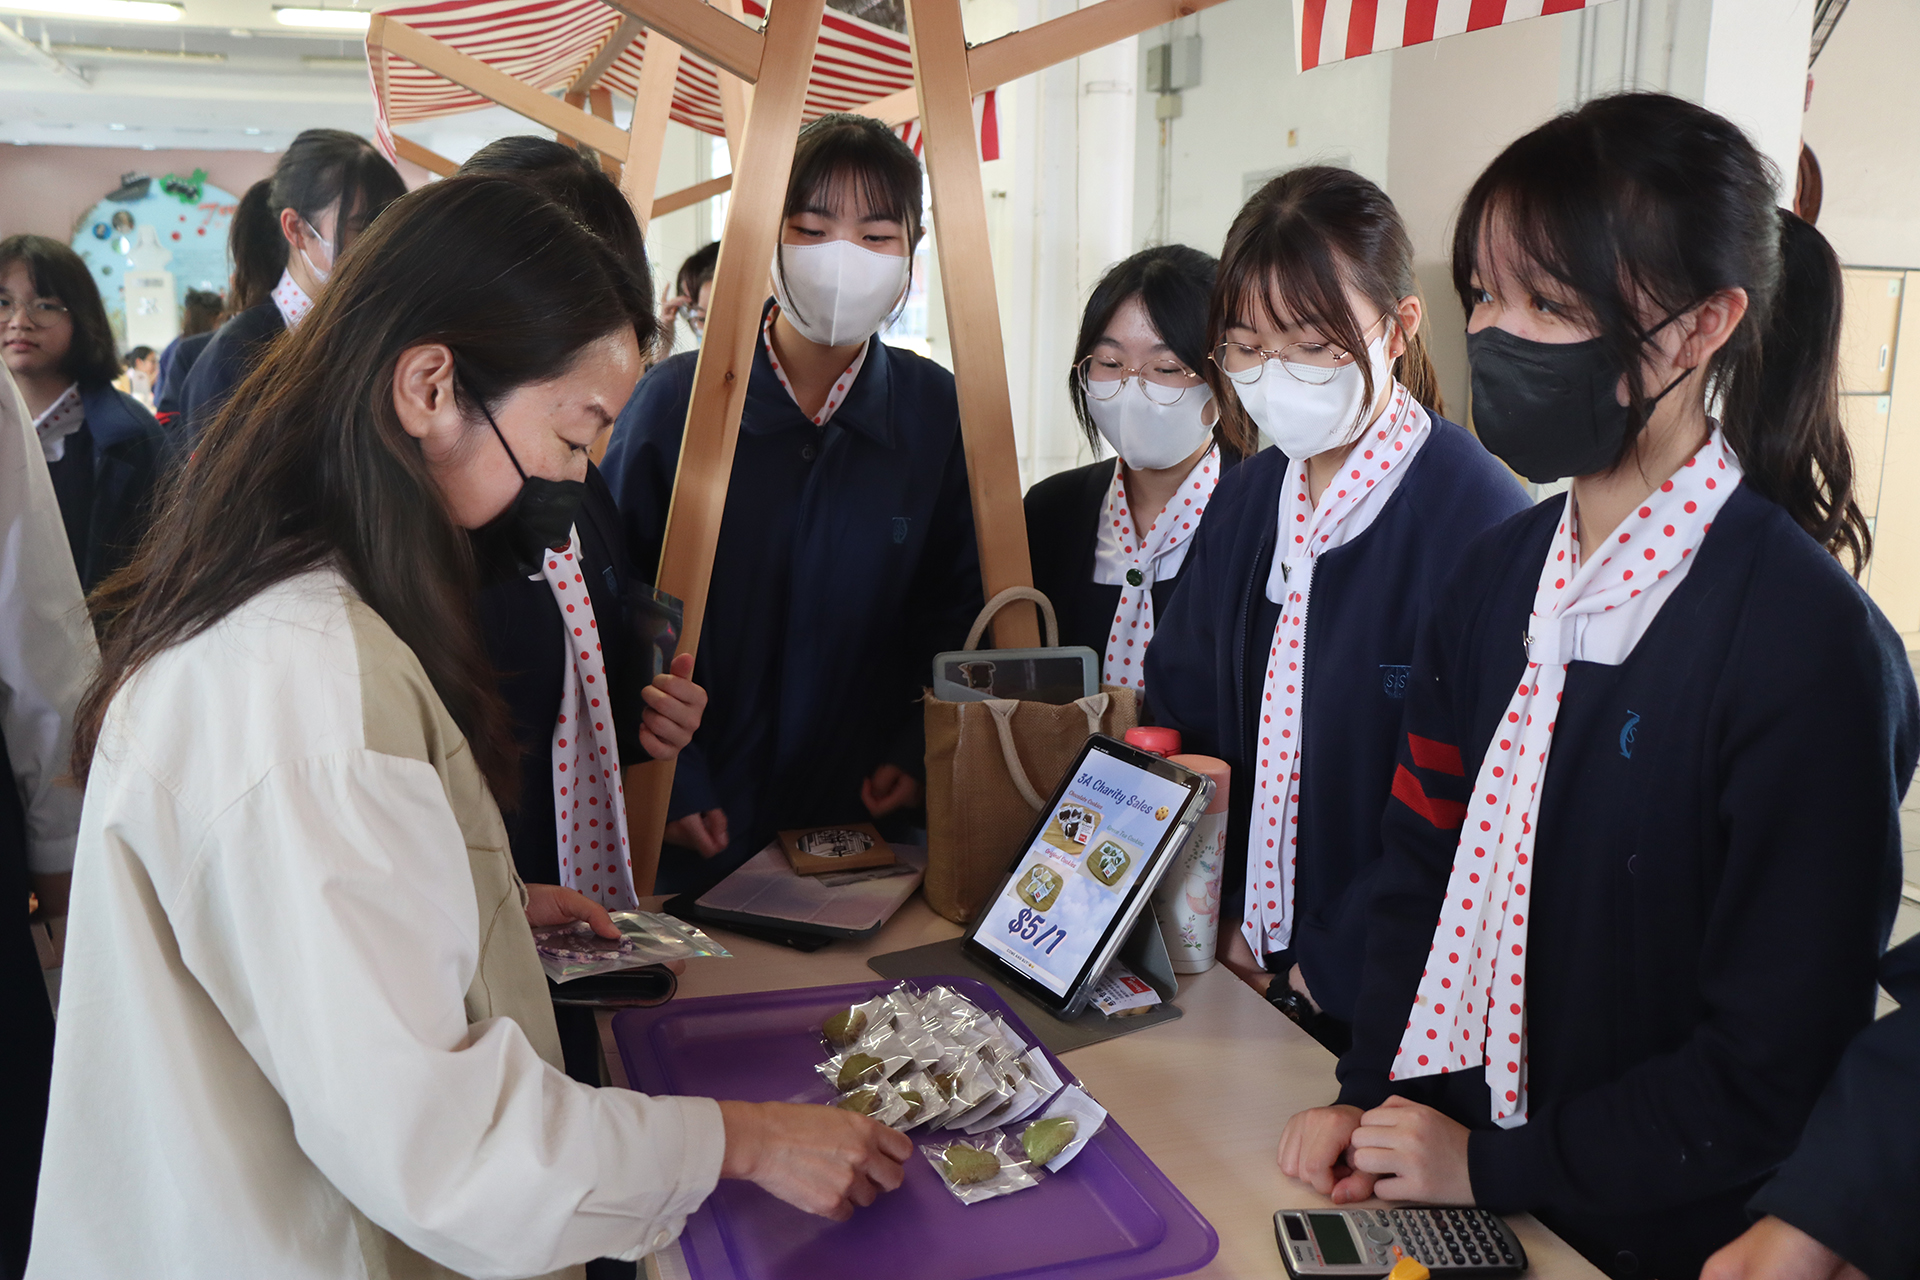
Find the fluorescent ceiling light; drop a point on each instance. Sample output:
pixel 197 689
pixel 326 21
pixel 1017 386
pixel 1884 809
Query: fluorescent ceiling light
pixel 110 10
pixel 331 19
pixel 88 51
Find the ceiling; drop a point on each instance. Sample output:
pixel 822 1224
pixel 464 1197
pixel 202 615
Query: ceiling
pixel 244 83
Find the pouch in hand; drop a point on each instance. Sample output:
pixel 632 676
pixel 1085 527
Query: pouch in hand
pixel 653 620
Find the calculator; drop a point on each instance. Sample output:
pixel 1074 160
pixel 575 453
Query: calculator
pixel 1367 1242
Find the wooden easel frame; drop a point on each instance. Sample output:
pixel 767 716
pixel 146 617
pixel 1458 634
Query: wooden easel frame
pixel 763 77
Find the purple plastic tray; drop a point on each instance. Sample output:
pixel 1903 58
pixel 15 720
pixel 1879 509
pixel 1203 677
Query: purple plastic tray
pixel 1110 1215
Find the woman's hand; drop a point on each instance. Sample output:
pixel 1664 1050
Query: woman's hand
pixel 674 707
pixel 820 1159
pixel 704 833
pixel 1773 1249
pixel 551 904
pixel 1415 1152
pixel 889 788
pixel 1314 1149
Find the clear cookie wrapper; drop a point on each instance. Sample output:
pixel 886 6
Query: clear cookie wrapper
pixel 982 1168
pixel 843 1028
pixel 574 950
pixel 1040 1072
pixel 923 1098
pixel 1010 1038
pixel 1058 1133
pixel 879 1100
pixel 849 1070
pixel 1001 1094
pixel 968 1081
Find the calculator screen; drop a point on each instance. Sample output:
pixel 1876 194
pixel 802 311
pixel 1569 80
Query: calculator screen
pixel 1335 1241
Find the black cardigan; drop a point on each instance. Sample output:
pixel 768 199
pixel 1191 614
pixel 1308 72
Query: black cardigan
pixel 106 479
pixel 1712 890
pixel 1063 532
pixel 228 358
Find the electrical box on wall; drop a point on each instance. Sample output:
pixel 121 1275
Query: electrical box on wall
pixel 1174 66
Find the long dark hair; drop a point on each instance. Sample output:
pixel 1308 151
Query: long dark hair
pixel 1300 242
pixel 93 358
pixel 318 167
pixel 1645 200
pixel 1173 283
pixel 307 464
pixel 841 151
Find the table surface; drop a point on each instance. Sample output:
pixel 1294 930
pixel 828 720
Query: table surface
pixel 1205 1096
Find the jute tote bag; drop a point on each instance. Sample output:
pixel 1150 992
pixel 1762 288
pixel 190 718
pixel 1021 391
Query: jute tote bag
pixel 991 766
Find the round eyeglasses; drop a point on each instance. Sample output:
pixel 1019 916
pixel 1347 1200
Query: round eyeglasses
pixel 1161 381
pixel 36 312
pixel 1314 363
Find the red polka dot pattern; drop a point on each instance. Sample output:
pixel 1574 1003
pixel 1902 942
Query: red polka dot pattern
pixel 291 300
pixel 1305 532
pixel 835 397
pixel 1125 661
pixel 1488 888
pixel 594 857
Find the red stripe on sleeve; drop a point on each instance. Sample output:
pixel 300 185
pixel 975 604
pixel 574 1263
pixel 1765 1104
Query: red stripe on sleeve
pixel 1444 814
pixel 1441 757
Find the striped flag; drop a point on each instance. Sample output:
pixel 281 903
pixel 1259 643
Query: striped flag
pixel 1333 30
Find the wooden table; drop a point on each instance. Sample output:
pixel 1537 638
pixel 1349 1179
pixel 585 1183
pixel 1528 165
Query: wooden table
pixel 1205 1096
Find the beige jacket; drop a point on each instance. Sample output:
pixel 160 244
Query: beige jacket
pixel 313 1039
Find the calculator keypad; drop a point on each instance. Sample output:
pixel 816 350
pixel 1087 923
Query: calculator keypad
pixel 1439 1239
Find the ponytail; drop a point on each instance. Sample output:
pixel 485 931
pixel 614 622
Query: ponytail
pixel 258 249
pixel 1781 410
pixel 1415 371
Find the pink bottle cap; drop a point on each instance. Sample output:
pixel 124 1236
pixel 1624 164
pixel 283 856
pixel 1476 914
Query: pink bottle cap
pixel 1162 742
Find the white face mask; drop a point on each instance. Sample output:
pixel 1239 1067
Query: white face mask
pixel 319 275
pixel 1149 436
pixel 1304 419
pixel 838 293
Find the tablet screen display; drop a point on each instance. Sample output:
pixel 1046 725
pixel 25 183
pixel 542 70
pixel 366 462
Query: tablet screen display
pixel 1074 879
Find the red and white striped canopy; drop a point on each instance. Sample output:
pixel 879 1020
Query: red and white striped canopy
pixel 1334 30
pixel 547 43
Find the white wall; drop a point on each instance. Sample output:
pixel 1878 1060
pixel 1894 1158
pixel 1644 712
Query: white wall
pixel 1864 125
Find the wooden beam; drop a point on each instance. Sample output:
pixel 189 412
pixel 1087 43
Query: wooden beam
pixel 973 314
pixel 688 196
pixel 431 161
pixel 600 101
pixel 577 99
pixel 623 35
pixel 403 41
pixel 727 43
pixel 736 98
pixel 647 135
pixel 721 373
pixel 1021 53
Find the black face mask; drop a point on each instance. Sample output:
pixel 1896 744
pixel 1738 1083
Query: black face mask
pixel 541 518
pixel 1549 409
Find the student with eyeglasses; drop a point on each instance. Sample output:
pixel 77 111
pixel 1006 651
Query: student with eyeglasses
pixel 1285 650
pixel 289 228
pixel 1107 540
pixel 104 450
pixel 692 291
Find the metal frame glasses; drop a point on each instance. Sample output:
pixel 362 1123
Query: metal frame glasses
pixel 39 313
pixel 1162 386
pixel 1314 363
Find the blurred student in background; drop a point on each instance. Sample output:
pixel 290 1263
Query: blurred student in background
pixel 199 317
pixel 103 448
pixel 143 367
pixel 289 228
pixel 692 290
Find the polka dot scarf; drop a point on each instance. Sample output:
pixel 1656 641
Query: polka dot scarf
pixel 292 300
pixel 836 395
pixel 1139 558
pixel 1470 1009
pixel 1372 471
pixel 589 804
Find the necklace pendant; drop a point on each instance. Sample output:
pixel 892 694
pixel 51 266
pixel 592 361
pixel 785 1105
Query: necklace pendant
pixel 1135 577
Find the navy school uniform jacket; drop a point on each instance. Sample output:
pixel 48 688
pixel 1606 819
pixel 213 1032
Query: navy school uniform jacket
pixel 526 639
pixel 228 357
pixel 1718 863
pixel 845 561
pixel 1063 532
pixel 106 481
pixel 1208 661
pixel 1854 1182
pixel 176 362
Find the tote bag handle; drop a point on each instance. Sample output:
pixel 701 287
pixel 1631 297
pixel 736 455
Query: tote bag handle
pixel 1000 602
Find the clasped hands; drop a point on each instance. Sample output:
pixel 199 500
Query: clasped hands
pixel 1400 1150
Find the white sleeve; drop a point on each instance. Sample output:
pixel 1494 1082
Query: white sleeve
pixel 330 915
pixel 47 651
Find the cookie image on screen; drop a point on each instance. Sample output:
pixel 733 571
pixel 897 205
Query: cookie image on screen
pixel 1039 885
pixel 1109 861
pixel 1072 827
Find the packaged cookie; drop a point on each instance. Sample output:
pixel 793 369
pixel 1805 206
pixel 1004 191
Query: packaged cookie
pixel 981 1168
pixel 1066 1126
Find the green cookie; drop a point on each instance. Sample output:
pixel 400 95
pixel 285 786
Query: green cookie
pixel 856 1069
pixel 967 1165
pixel 1045 1139
pixel 862 1103
pixel 845 1027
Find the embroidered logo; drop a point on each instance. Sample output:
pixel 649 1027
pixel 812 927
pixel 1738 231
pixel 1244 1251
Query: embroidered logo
pixel 1626 734
pixel 1393 679
pixel 900 526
